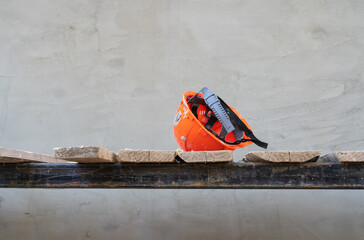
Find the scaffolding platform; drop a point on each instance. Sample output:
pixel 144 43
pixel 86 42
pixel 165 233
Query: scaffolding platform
pixel 238 175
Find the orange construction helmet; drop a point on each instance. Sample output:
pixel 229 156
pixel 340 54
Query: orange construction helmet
pixel 204 122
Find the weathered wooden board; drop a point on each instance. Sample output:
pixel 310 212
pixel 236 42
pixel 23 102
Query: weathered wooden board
pixel 85 154
pixel 303 156
pixel 171 175
pixel 282 156
pixel 146 156
pixel 16 156
pixel 206 156
pixel 352 156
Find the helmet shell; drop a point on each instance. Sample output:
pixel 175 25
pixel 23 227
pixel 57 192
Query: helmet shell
pixel 191 135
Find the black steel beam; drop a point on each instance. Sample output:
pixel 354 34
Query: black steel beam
pixel 233 176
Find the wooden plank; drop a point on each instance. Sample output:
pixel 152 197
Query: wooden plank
pixel 282 156
pixel 206 156
pixel 16 156
pixel 303 156
pixel 351 156
pixel 146 156
pixel 85 154
pixel 170 175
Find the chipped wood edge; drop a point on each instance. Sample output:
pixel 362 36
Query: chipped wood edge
pixel 304 156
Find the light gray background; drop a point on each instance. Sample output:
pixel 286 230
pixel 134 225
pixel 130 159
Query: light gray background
pixel 112 74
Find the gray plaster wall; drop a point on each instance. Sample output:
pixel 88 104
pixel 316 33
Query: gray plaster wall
pixel 112 74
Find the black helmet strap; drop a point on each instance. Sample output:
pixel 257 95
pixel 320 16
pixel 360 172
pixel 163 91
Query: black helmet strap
pixel 234 122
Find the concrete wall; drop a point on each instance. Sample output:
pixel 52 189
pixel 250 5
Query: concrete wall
pixel 112 73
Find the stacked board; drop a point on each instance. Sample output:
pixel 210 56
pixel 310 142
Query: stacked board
pixel 103 155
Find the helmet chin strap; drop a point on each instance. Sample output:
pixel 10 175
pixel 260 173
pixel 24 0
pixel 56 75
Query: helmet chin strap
pixel 235 119
pixel 229 120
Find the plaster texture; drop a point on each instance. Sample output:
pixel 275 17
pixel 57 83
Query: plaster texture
pixel 181 214
pixel 112 74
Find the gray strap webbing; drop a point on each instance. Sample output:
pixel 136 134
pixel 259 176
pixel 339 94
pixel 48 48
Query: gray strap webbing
pixel 214 103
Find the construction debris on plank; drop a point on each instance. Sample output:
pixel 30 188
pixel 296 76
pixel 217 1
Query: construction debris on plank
pixel 85 154
pixel 328 158
pixel 102 155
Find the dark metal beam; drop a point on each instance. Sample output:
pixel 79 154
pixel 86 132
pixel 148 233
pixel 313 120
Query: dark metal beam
pixel 233 176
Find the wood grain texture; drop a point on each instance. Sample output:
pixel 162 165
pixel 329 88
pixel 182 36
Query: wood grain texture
pixel 172 175
pixel 282 156
pixel 16 156
pixel 206 156
pixel 303 156
pixel 146 156
pixel 85 154
pixel 351 156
